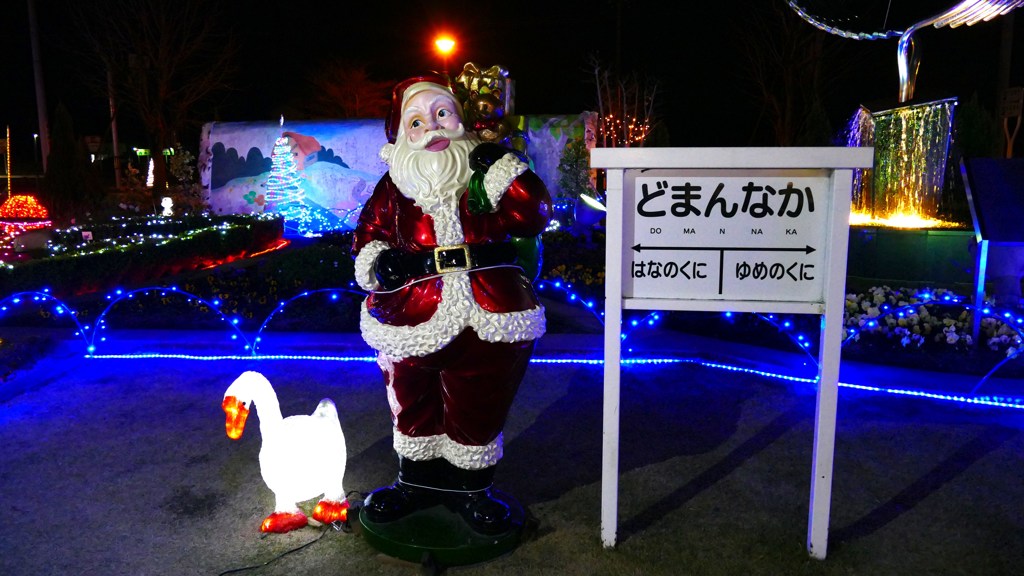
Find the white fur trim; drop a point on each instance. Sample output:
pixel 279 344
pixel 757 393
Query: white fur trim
pixel 425 86
pixel 473 457
pixel 500 176
pixel 387 367
pixel 456 311
pixel 419 448
pixel 447 224
pixel 365 277
pixel 385 152
pixel 441 446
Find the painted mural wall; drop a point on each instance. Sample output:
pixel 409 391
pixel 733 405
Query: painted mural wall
pixel 336 164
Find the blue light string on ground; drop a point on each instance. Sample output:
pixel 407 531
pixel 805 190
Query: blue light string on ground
pixel 163 291
pixel 89 335
pixel 986 401
pixel 39 297
pixel 333 296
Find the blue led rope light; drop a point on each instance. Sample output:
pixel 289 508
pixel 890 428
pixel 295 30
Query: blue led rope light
pixel 948 299
pixel 993 371
pixel 130 295
pixel 60 309
pixel 571 296
pixel 281 306
pixel 997 402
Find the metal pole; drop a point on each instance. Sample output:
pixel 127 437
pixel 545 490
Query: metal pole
pixel 113 129
pixel 37 66
pixel 35 161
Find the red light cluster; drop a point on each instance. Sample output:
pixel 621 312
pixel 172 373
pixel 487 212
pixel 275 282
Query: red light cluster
pixel 21 206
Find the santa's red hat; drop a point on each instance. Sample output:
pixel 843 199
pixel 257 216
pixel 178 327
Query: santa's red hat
pixel 407 89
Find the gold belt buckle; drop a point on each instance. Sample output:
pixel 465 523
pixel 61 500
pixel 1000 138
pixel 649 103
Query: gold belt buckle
pixel 452 258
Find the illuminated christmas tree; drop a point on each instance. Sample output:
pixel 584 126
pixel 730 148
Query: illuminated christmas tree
pixel 285 192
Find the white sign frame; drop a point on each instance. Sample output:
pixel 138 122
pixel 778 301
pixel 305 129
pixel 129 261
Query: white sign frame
pixel 837 165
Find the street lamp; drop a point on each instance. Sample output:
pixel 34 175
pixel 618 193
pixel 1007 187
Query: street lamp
pixel 445 44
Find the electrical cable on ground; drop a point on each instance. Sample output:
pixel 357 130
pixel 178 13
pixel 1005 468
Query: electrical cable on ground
pixel 337 525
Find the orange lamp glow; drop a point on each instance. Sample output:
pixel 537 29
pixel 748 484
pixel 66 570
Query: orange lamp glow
pixel 445 44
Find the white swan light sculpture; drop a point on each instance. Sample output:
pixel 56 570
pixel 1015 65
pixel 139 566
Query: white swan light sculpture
pixel 302 457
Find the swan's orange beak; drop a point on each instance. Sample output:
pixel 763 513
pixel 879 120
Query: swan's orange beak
pixel 236 413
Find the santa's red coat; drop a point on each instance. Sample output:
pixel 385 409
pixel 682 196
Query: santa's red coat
pixel 391 218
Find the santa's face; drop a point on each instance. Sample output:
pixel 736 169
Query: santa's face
pixel 429 161
pixel 425 114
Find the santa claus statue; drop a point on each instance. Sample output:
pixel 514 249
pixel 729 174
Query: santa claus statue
pixel 447 249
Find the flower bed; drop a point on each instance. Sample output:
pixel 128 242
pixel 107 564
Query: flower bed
pixel 127 252
pixel 928 328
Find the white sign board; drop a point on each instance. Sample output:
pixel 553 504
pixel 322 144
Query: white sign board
pixel 722 236
pixel 740 229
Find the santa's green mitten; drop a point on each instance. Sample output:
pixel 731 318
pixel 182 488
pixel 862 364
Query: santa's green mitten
pixel 529 252
pixel 478 202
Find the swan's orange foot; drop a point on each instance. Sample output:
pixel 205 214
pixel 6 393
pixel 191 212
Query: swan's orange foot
pixel 281 522
pixel 328 511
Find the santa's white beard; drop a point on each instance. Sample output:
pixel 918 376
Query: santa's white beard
pixel 431 179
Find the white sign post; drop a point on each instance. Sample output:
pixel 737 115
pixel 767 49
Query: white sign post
pixel 729 229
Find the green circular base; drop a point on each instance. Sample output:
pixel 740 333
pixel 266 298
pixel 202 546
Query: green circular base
pixel 441 537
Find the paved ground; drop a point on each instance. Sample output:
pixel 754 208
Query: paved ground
pixel 114 466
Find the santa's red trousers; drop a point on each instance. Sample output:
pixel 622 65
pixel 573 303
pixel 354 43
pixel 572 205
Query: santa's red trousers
pixel 464 390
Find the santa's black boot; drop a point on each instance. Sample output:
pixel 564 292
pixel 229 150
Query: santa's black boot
pixel 473 499
pixel 416 489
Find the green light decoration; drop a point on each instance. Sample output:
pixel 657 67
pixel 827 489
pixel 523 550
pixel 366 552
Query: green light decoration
pixel 905 186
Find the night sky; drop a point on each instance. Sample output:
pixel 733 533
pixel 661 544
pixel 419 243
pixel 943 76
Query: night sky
pixel 695 51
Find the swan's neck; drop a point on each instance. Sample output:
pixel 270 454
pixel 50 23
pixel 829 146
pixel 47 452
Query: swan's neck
pixel 269 408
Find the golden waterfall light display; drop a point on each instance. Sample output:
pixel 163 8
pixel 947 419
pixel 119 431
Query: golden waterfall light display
pixel 302 457
pixel 904 188
pixel 912 141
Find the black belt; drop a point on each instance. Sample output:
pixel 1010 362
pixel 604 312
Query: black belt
pixel 461 257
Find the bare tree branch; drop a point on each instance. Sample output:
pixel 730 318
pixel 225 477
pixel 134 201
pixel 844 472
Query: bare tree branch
pixel 342 89
pixel 625 106
pixel 791 66
pixel 164 59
